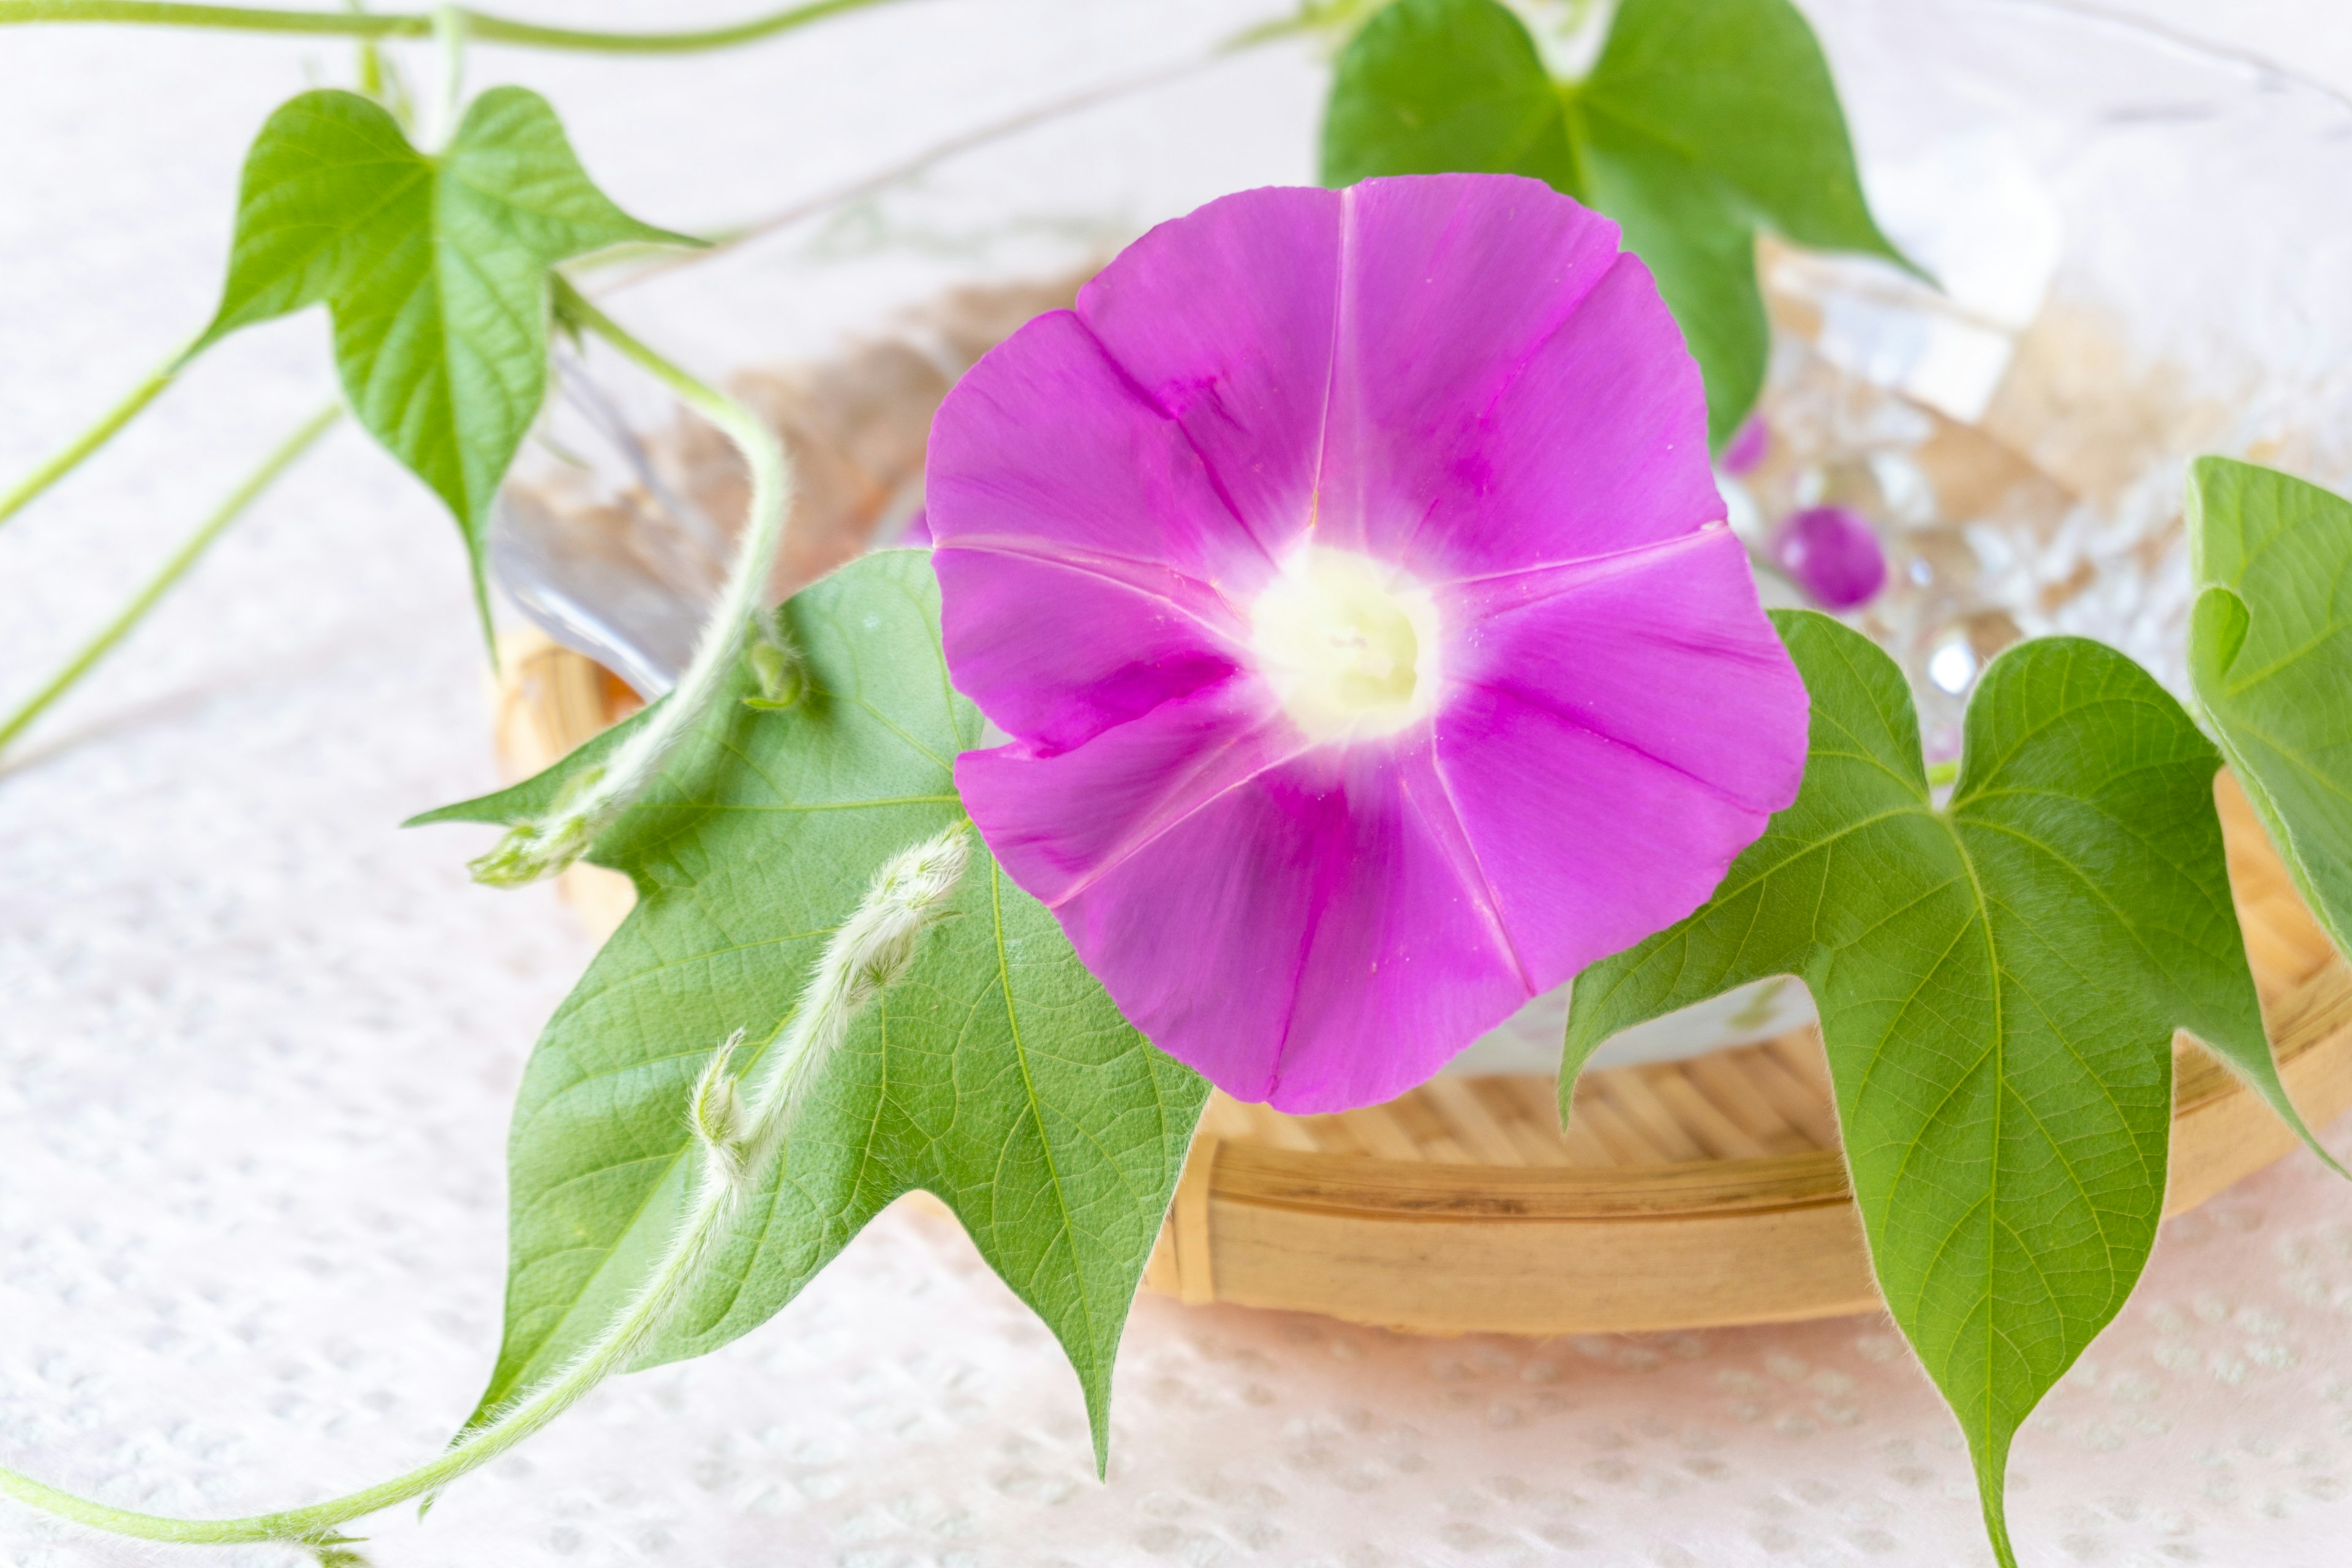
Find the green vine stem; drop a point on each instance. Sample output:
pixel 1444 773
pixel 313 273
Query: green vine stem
pixel 17 496
pixel 231 508
pixel 864 957
pixel 449 36
pixel 539 849
pixel 481 27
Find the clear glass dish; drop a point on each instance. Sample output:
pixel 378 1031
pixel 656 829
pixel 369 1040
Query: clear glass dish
pixel 2140 256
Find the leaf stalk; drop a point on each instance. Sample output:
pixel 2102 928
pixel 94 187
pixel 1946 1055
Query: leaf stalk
pixel 17 496
pixel 231 508
pixel 542 848
pixel 448 99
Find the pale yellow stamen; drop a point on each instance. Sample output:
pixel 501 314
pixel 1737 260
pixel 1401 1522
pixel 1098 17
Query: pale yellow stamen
pixel 1349 645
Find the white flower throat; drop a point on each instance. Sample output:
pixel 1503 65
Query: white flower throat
pixel 1348 644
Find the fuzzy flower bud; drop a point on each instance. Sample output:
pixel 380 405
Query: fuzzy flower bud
pixel 716 1113
pixel 532 851
pixel 908 896
pixel 776 666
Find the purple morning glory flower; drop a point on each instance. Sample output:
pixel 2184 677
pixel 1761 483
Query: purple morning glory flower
pixel 1832 554
pixel 1346 569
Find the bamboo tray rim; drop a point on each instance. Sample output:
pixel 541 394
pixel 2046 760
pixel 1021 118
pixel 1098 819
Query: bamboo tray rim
pixel 1367 1185
pixel 1325 1181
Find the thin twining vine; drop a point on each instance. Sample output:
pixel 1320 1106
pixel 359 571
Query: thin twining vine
pixel 741 1130
pixel 24 491
pixel 248 490
pixel 924 160
pixel 482 27
pixel 545 847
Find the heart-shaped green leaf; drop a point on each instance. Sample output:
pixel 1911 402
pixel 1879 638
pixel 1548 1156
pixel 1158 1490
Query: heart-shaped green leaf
pixel 1702 121
pixel 1998 982
pixel 997 1073
pixel 434 269
pixel 1437 87
pixel 1739 88
pixel 2270 658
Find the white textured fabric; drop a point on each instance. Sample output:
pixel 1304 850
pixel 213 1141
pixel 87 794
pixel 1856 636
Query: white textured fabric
pixel 258 1047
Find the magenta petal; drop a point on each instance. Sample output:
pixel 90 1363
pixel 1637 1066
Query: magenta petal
pixel 1064 650
pixel 1310 931
pixel 1450 291
pixel 1569 824
pixel 1748 446
pixel 1224 319
pixel 1621 735
pixel 1647 650
pixel 1075 554
pixel 1105 475
pixel 1598 445
pixel 1058 822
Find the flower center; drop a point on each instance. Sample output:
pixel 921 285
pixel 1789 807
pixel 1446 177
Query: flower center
pixel 1348 644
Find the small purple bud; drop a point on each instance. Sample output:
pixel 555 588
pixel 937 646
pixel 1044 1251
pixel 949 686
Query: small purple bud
pixel 1832 554
pixel 1747 446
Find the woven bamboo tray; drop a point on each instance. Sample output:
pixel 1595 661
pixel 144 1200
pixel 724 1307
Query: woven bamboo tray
pixel 1682 1195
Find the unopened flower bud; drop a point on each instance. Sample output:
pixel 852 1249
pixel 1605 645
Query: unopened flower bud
pixel 871 951
pixel 716 1113
pixel 532 851
pixel 909 897
pixel 779 675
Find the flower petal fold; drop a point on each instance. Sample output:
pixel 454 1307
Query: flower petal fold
pixel 1224 318
pixel 1077 555
pixel 1597 445
pixel 1449 292
pixel 1617 738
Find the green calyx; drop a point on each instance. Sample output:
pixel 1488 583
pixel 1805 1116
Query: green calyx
pixel 779 675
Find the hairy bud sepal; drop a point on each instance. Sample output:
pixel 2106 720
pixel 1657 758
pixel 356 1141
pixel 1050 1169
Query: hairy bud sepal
pixel 779 674
pixel 715 1114
pixel 534 851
